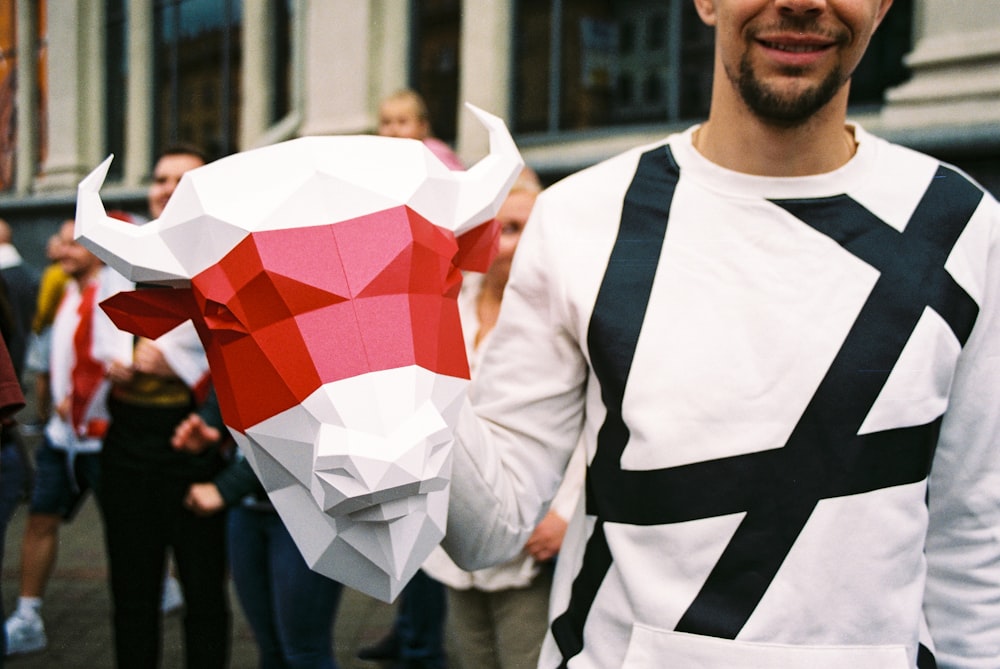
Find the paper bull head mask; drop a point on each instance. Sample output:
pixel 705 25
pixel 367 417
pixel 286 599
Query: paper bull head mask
pixel 322 275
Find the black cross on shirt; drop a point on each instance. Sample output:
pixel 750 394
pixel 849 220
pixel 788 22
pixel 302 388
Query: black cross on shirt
pixel 776 489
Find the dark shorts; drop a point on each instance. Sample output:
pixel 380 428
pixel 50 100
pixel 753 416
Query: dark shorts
pixel 57 490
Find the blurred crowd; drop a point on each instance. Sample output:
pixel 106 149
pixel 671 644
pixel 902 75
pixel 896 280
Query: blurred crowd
pixel 135 422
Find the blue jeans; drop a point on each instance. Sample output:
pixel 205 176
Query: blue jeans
pixel 419 624
pixel 61 484
pixel 13 478
pixel 290 608
pixel 144 516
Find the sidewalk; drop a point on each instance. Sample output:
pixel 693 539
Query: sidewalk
pixel 77 608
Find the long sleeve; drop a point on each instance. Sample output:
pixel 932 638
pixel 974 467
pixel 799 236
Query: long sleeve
pixel 532 381
pixel 962 602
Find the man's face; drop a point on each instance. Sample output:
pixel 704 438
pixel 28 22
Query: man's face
pixel 74 258
pixel 788 58
pixel 166 175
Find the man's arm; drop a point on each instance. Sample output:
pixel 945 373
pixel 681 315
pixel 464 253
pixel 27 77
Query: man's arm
pixel 962 601
pixel 198 432
pixel 183 354
pixel 512 449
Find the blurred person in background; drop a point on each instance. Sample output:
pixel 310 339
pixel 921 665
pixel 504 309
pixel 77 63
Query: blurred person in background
pixel 291 608
pixel 416 640
pixel 497 617
pixel 22 293
pixel 13 464
pixel 145 481
pixel 84 344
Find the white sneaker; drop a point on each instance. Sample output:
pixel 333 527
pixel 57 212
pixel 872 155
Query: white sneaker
pixel 172 599
pixel 25 634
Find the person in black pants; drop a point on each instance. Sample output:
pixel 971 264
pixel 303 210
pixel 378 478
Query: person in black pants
pixel 146 481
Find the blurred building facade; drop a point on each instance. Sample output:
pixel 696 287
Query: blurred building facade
pixel 577 81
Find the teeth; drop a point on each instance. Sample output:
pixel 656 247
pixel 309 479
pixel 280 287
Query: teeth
pixel 793 48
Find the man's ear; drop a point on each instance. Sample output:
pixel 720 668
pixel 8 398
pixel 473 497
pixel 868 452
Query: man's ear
pixel 706 10
pixel 883 9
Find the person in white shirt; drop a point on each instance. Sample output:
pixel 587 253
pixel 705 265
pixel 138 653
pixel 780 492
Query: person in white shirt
pixel 497 617
pixel 776 335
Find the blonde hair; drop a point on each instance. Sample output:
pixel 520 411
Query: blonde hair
pixel 527 182
pixel 414 98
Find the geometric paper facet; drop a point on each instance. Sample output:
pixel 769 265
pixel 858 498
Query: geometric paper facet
pixel 322 276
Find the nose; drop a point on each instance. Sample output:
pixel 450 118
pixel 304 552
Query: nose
pixel 355 471
pixel 381 437
pixel 800 7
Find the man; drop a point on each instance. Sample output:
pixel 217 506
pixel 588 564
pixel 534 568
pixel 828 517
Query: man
pixel 19 289
pixel 22 284
pixel 145 481
pixel 497 617
pixel 13 472
pixel 172 164
pixel 51 286
pixel 84 344
pixel 777 335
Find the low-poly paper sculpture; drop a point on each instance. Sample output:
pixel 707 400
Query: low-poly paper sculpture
pixel 322 275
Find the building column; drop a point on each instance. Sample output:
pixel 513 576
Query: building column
pixel 139 128
pixel 75 73
pixel 27 96
pixel 337 77
pixel 391 48
pixel 956 68
pixel 485 79
pixel 255 80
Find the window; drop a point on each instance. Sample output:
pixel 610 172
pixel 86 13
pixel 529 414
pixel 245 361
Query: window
pixel 116 73
pixel 34 119
pixel 583 64
pixel 281 76
pixel 197 49
pixel 882 66
pixel 587 64
pixel 437 26
pixel 8 93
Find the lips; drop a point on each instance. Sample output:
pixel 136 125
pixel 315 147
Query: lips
pixel 795 47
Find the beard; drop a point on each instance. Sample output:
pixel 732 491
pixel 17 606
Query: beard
pixel 787 109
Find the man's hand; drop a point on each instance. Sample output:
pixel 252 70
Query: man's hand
pixel 120 373
pixel 64 409
pixel 194 435
pixel 546 540
pixel 203 499
pixel 148 359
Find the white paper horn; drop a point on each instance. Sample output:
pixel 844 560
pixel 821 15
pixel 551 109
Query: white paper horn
pixel 485 185
pixel 136 251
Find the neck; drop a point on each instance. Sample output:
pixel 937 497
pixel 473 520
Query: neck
pixel 488 304
pixel 737 139
pixel 492 286
pixel 86 277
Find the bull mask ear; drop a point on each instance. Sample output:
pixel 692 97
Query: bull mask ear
pixel 138 252
pixel 478 247
pixel 484 186
pixel 150 312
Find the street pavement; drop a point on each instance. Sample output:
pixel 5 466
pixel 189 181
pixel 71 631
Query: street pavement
pixel 77 614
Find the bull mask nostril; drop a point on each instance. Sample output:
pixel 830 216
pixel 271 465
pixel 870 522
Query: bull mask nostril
pixel 219 317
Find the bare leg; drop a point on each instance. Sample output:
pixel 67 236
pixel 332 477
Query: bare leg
pixel 38 552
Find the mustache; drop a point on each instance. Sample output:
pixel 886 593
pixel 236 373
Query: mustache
pixel 807 25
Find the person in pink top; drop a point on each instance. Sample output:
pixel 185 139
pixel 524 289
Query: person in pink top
pixel 416 640
pixel 404 114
